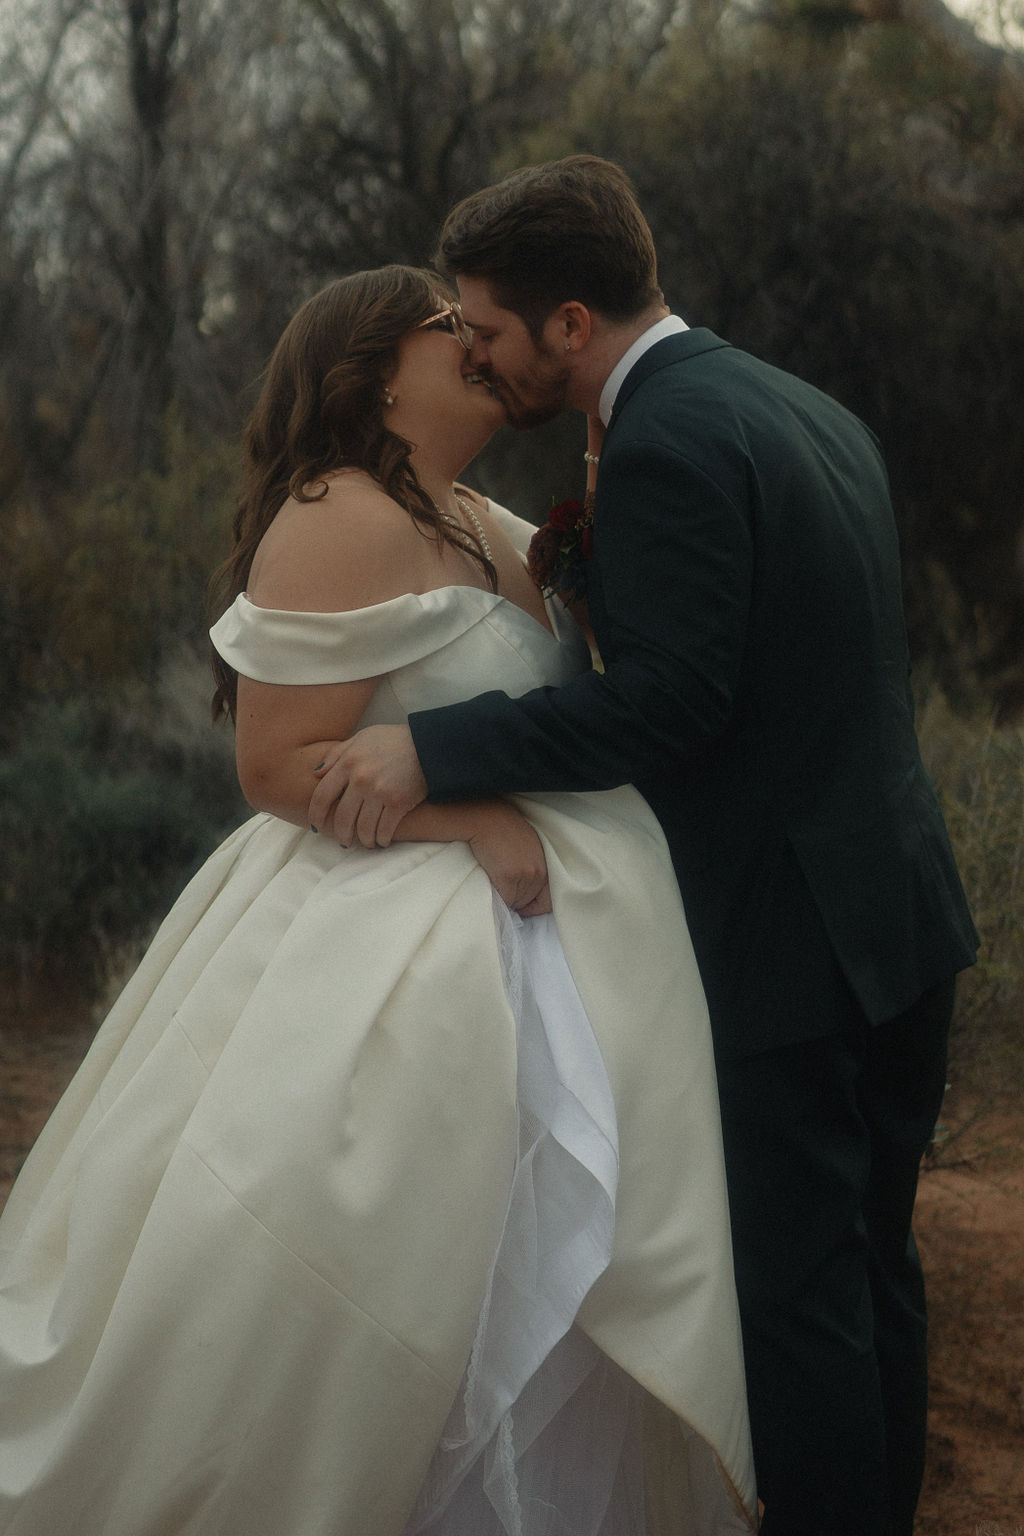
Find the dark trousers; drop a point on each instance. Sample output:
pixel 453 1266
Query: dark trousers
pixel 823 1142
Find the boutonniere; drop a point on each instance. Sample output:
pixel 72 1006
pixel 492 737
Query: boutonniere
pixel 560 551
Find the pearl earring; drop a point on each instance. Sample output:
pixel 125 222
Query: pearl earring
pixel 389 398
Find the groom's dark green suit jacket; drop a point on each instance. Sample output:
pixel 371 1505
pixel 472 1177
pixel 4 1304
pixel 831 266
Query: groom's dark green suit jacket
pixel 745 596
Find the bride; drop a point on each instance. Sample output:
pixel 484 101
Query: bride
pixel 389 1198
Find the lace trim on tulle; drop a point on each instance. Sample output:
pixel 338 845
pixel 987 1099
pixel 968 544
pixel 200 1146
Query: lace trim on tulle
pixel 505 1466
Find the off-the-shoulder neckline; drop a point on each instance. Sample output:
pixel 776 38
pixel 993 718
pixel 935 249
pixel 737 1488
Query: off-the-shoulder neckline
pixel 490 599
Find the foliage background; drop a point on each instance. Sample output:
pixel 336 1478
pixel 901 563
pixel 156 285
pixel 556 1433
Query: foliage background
pixel 836 185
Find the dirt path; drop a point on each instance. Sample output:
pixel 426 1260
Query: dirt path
pixel 970 1229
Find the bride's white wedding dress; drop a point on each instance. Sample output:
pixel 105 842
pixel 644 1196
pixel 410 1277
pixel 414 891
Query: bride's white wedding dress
pixel 373 1210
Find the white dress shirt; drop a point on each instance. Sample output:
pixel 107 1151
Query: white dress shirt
pixel 670 326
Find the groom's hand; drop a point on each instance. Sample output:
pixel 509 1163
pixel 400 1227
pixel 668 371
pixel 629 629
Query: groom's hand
pixel 367 784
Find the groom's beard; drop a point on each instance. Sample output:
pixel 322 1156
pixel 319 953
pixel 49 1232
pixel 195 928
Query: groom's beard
pixel 534 397
pixel 523 417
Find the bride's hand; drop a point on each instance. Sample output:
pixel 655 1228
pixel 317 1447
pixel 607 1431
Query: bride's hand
pixel 511 854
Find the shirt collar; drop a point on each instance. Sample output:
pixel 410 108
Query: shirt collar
pixel 670 326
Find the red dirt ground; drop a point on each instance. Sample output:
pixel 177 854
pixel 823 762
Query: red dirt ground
pixel 970 1228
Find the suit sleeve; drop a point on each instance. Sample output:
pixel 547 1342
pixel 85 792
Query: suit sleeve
pixel 674 550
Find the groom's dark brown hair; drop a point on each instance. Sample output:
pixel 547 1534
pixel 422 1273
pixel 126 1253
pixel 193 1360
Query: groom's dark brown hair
pixel 571 229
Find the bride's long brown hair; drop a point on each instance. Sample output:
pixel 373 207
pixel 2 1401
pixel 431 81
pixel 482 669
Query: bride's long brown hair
pixel 321 409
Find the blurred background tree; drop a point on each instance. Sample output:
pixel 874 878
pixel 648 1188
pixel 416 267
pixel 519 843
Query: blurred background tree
pixel 836 185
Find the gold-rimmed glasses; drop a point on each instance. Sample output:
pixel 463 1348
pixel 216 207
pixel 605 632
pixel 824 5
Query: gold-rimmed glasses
pixel 449 319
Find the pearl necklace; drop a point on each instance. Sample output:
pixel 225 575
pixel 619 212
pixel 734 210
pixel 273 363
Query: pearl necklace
pixel 454 522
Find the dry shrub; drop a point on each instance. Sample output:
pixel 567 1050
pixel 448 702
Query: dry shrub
pixel 978 769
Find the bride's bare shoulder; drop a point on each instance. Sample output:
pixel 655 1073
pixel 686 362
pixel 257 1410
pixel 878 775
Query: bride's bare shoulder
pixel 348 546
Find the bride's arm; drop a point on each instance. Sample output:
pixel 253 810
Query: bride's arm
pixel 351 550
pixel 284 733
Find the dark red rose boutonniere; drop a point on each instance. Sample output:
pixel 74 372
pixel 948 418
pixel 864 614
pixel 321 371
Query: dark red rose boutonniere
pixel 560 551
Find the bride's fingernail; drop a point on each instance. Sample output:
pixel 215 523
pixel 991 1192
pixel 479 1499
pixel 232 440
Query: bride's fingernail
pixel 319 766
pixel 312 828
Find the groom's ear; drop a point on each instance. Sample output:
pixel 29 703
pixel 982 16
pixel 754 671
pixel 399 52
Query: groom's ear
pixel 574 324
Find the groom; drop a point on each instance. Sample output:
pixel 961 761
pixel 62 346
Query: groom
pixel 745 597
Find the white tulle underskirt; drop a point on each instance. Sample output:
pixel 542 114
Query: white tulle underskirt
pixel 544 1438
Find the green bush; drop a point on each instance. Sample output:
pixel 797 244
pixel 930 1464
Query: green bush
pixel 103 816
pixel 101 586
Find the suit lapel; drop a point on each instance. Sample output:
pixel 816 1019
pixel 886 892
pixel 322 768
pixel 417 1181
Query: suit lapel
pixel 665 354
